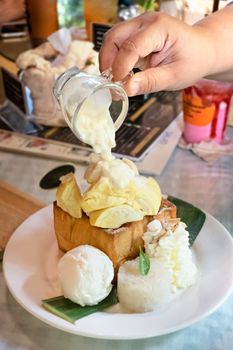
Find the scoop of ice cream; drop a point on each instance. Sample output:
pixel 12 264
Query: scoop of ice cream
pixel 139 293
pixel 85 274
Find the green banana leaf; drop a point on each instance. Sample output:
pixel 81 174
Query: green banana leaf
pixel 71 312
pixel 192 216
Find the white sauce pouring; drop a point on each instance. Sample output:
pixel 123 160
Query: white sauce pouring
pixel 94 124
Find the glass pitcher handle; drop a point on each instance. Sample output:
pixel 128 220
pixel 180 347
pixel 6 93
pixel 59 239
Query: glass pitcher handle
pixel 109 76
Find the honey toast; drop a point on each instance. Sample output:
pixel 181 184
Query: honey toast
pixel 119 244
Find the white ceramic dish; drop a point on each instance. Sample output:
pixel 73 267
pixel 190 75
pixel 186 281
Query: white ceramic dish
pixel 29 267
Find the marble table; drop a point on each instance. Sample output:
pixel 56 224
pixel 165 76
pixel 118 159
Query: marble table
pixel 206 185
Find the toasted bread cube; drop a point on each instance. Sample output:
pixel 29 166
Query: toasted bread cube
pixel 119 244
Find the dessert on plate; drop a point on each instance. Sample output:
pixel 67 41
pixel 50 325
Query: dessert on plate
pixel 119 230
pixel 120 243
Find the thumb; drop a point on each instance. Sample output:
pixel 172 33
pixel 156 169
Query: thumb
pixel 152 80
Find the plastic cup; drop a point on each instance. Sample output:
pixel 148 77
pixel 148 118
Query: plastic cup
pixel 206 108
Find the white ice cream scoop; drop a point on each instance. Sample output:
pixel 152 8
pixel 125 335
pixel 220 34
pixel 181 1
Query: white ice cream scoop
pixel 85 274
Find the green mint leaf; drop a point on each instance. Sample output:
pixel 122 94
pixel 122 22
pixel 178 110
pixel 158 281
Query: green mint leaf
pixel 144 263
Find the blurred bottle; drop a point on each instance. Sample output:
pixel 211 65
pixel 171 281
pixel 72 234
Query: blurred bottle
pixel 132 8
pixel 128 9
pixel 99 11
pixel 42 19
pixel 125 3
pixel 70 13
pixel 206 108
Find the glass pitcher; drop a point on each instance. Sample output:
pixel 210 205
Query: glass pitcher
pixel 74 88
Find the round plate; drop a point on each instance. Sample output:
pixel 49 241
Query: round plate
pixel 29 267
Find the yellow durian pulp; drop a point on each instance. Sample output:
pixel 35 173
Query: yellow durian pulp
pixel 68 196
pixel 144 196
pixel 114 217
pixel 109 206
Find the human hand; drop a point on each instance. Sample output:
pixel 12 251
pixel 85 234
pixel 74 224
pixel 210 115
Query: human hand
pixel 170 54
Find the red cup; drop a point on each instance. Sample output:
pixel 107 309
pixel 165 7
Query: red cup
pixel 206 108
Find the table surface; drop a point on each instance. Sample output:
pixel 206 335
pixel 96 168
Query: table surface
pixel 206 185
pixel 16 206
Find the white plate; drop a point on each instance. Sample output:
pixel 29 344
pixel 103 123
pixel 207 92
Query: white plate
pixel 32 248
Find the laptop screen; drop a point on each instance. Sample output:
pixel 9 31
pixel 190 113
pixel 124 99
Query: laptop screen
pixel 14 90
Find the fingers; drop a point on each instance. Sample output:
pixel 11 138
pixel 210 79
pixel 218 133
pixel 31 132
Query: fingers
pixel 136 47
pixel 113 40
pixel 129 42
pixel 152 80
pixel 146 41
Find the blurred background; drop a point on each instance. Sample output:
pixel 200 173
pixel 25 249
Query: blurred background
pixel 41 18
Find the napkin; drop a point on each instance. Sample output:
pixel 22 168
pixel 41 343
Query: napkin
pixel 61 40
pixel 40 70
pixel 209 150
